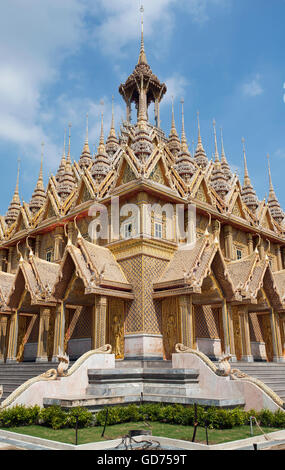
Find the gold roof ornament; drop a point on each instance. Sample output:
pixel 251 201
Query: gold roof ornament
pixel 15 205
pixel 62 162
pixel 112 141
pixel 273 203
pixel 200 154
pixel 142 57
pixel 248 194
pixel 85 157
pixel 102 163
pixel 153 90
pixel 224 163
pixel 184 163
pixel 67 181
pixel 218 180
pixel 39 194
pixel 173 139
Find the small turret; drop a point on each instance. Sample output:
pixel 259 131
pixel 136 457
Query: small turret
pixel 85 157
pixel 15 205
pixel 200 154
pixel 39 194
pixel 247 193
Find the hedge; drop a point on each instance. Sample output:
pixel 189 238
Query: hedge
pixel 214 418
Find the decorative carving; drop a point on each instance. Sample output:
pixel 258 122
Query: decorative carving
pixel 225 370
pixel 52 374
pixel 116 327
pixel 169 325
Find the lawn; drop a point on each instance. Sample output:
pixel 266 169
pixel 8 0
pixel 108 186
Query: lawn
pixel 93 434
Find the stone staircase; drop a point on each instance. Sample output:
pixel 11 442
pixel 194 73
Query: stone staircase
pixel 142 381
pixel 14 375
pixel 271 373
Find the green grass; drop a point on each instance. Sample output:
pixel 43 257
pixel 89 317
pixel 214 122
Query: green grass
pixel 93 434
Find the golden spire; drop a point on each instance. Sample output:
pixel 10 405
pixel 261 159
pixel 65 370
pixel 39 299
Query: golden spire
pixel 142 57
pixel 173 131
pixel 16 197
pixel 200 145
pixel 271 189
pixel 246 181
pixel 223 155
pixel 217 159
pixel 101 146
pixel 112 130
pixel 183 135
pixel 86 148
pixel 40 183
pixel 68 160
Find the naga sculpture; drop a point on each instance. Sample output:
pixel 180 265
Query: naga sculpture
pixel 54 374
pixel 224 370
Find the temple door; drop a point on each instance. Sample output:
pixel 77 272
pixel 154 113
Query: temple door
pixel 115 326
pixel 170 325
pixel 267 334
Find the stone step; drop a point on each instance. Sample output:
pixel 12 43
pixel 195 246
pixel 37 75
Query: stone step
pixel 14 375
pixel 95 403
pixel 121 364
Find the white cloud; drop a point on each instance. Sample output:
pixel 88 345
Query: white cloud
pixel 176 88
pixel 253 87
pixel 36 36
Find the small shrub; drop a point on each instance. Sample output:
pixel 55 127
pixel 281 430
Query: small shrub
pixel 19 415
pixel 85 418
pixel 53 417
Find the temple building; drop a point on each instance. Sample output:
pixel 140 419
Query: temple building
pixel 92 260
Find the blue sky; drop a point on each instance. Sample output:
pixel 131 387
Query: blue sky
pixel 61 58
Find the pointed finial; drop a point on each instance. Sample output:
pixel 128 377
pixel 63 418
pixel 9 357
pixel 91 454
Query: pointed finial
pixel 69 135
pixel 86 139
pixel 142 56
pixel 246 175
pixel 183 136
pixel 271 189
pixel 217 159
pixel 223 155
pixel 200 146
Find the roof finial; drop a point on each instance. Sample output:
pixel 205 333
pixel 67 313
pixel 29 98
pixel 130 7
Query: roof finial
pixel 69 135
pixel 223 155
pixel 142 56
pixel 271 189
pixel 40 183
pixel 17 183
pixel 217 159
pixel 246 175
pixel 183 135
pixel 173 128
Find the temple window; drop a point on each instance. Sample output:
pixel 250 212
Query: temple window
pixel 128 230
pixel 239 254
pixel 49 255
pixel 158 230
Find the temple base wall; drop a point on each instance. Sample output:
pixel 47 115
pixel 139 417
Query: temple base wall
pixel 143 347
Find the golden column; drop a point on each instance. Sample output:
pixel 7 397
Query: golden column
pixel 276 336
pixel 3 337
pixel 228 231
pixel 59 326
pixel 42 353
pixel 13 338
pixel 99 322
pixel 245 334
pixel 228 333
pixel 186 320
